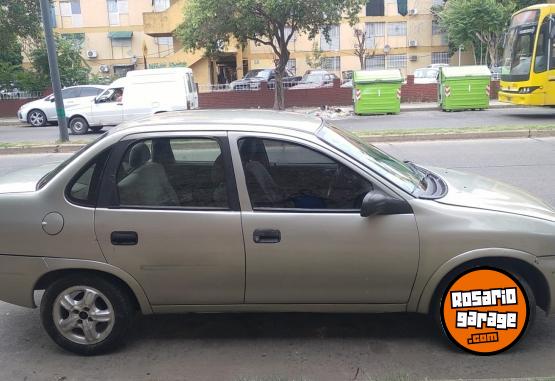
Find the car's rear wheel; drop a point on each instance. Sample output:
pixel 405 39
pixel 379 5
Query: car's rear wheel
pixel 37 118
pixel 85 314
pixel 78 125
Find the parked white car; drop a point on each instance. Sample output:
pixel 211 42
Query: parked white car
pixel 141 93
pixel 42 111
pixel 425 76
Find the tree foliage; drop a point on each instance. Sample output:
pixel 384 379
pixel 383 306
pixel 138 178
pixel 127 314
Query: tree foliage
pixel 314 59
pixel 73 68
pixel 20 18
pixel 478 22
pixel 210 24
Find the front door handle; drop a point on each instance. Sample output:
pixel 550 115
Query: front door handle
pixel 266 236
pixel 124 238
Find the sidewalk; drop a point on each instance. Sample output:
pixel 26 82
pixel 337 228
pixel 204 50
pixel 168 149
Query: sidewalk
pixel 345 111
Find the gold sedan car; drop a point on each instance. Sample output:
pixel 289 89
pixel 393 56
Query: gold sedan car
pixel 250 211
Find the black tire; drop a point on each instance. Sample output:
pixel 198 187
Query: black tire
pixel 96 128
pixel 123 312
pixel 37 118
pixel 435 310
pixel 78 125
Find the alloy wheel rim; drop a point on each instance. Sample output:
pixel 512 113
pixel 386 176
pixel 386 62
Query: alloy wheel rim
pixel 78 126
pixel 36 118
pixel 83 315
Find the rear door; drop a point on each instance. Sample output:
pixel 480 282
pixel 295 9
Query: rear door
pixel 170 217
pixel 192 94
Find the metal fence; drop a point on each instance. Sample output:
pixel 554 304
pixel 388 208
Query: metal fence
pixel 11 95
pixel 240 87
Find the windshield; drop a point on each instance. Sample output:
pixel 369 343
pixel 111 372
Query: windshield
pixel 50 175
pixel 425 73
pixel 252 74
pixel 519 47
pixel 403 175
pixel 313 78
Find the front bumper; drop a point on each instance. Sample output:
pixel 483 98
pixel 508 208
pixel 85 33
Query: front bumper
pixel 533 99
pixel 22 116
pixel 547 266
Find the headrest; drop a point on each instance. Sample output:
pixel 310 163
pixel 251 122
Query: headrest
pixel 139 155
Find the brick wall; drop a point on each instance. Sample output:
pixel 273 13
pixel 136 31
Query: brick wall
pixel 9 107
pixel 332 96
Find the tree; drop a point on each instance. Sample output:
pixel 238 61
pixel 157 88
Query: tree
pixel 314 59
pixel 362 51
pixel 73 68
pixel 474 22
pixel 272 23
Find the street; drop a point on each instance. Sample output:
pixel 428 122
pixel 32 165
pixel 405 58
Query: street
pixel 300 346
pixel 507 117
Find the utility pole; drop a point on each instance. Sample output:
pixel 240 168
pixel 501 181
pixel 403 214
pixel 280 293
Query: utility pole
pixel 54 71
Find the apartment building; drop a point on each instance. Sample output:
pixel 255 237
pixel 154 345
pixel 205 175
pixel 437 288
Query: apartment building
pixel 121 35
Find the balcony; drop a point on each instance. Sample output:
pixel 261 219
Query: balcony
pixel 163 24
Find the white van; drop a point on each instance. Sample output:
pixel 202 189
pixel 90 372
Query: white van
pixel 141 93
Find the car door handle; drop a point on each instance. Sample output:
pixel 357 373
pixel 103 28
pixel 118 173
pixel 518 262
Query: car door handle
pixel 266 236
pixel 124 238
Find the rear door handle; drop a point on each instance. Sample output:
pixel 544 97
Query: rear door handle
pixel 124 238
pixel 266 236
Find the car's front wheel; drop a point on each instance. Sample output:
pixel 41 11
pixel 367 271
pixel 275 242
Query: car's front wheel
pixel 78 125
pixel 85 314
pixel 37 118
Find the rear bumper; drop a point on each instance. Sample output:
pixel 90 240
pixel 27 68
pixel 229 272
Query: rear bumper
pixel 18 276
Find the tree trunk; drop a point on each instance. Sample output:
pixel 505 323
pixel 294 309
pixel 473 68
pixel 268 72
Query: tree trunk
pixel 279 101
pixel 361 59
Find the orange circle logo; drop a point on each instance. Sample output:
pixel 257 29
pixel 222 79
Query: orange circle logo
pixel 485 311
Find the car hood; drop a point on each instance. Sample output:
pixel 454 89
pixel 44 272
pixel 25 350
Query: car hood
pixel 32 104
pixel 24 180
pixel 480 192
pixel 307 86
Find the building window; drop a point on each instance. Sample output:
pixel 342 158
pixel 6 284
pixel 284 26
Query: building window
pixel 331 63
pixel 375 63
pixel 72 9
pixel 292 66
pixel 436 29
pixel 165 46
pixel 375 29
pixel 115 8
pixel 333 43
pixel 375 8
pixel 396 61
pixel 160 5
pixel 440 58
pixel 397 28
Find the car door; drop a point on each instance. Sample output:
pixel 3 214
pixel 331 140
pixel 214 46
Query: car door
pixel 305 241
pixel 169 216
pixel 192 94
pixel 107 110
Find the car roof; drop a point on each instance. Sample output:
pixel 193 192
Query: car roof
pixel 223 120
pixel 78 86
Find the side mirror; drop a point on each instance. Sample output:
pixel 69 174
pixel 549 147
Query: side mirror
pixel 376 203
pixel 52 99
pixel 101 100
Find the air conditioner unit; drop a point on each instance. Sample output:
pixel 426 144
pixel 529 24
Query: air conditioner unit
pixel 413 43
pixel 104 68
pixel 92 53
pixel 413 58
pixel 413 12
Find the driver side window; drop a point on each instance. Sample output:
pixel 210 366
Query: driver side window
pixel 285 175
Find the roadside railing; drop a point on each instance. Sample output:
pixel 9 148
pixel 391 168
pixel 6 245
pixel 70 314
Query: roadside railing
pixel 21 95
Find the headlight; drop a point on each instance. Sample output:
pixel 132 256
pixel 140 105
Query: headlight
pixel 528 90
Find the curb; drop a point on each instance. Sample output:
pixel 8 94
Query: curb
pixel 522 134
pixel 51 148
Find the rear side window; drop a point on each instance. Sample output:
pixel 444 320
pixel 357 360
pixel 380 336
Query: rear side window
pixel 83 189
pixel 173 172
pixel 71 93
pixel 90 91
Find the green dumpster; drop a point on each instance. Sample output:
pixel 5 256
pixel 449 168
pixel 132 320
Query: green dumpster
pixel 464 87
pixel 377 92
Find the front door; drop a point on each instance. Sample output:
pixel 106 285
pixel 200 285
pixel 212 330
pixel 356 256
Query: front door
pixel 108 109
pixel 169 216
pixel 305 240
